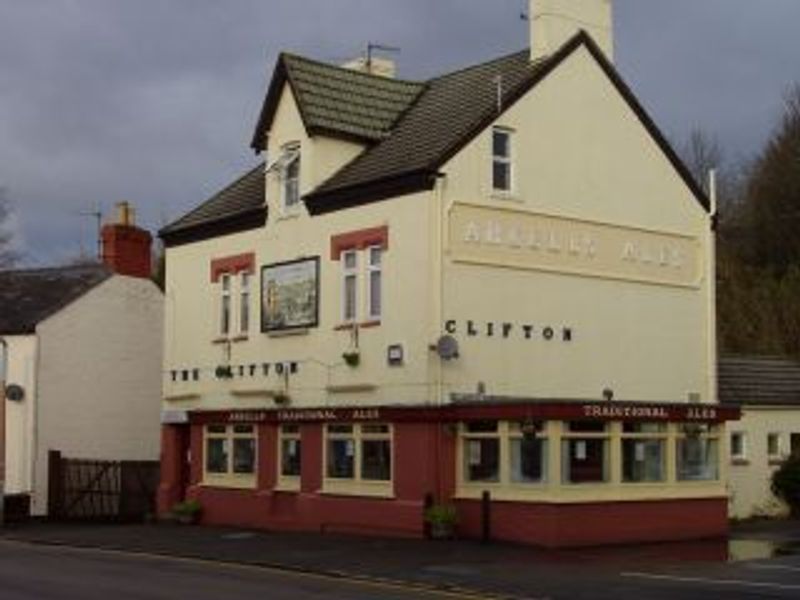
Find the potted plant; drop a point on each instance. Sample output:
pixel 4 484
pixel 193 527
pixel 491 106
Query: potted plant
pixel 786 484
pixel 188 512
pixel 442 519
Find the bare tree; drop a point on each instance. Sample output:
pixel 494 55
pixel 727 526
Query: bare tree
pixel 8 254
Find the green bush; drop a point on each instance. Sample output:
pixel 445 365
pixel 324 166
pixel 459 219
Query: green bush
pixel 441 514
pixel 190 508
pixel 786 483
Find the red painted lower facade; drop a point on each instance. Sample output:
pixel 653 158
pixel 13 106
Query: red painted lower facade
pixel 424 456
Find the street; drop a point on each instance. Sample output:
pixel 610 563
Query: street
pixel 30 572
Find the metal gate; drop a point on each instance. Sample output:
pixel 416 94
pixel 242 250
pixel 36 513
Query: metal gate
pixel 101 490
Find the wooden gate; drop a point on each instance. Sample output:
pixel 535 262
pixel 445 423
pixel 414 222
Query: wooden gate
pixel 101 490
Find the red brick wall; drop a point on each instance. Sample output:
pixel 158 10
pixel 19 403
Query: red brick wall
pixel 126 250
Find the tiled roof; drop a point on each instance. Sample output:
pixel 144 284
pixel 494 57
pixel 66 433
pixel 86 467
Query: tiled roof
pixel 346 102
pixel 27 297
pixel 451 109
pixel 759 380
pixel 240 200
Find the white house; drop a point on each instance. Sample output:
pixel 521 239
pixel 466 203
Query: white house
pixel 83 347
pixel 768 391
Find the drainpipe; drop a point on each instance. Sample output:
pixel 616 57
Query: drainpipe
pixel 3 369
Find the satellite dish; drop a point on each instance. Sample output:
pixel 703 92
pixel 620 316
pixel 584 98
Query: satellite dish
pixel 15 393
pixel 447 347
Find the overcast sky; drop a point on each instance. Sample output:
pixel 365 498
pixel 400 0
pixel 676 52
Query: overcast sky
pixel 154 101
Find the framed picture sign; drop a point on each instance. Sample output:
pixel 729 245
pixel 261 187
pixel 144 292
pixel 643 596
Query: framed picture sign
pixel 290 295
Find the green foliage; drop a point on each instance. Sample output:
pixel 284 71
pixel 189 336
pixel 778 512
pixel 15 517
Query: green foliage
pixel 758 253
pixel 786 483
pixel 441 514
pixel 189 508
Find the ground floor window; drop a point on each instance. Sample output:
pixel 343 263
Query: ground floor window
pixel 697 453
pixel 584 452
pixel 503 452
pixel 358 454
pixel 289 456
pixel 643 452
pixel 230 455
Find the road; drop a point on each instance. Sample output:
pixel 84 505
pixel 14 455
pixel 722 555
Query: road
pixel 29 572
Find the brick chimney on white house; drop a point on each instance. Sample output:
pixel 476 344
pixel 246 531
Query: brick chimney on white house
pixel 553 22
pixel 126 247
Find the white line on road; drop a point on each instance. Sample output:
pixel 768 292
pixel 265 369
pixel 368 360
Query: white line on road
pixel 772 567
pixel 707 581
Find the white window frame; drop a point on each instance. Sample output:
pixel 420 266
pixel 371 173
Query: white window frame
pixel 742 454
pixel 658 433
pixel 506 433
pixel 357 485
pixel 504 160
pixel 225 309
pixel 347 273
pixel 778 454
pixel 291 155
pixel 229 478
pixel 374 268
pixel 245 283
pixel 289 432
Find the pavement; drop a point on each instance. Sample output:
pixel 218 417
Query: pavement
pixel 761 558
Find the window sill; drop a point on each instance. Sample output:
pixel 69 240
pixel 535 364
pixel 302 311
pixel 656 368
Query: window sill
pixel 740 462
pixel 279 333
pixel 229 484
pixel 221 340
pixel 353 325
pixel 288 486
pixel 338 487
pixel 774 461
pixel 506 197
pixel 242 337
pixel 288 214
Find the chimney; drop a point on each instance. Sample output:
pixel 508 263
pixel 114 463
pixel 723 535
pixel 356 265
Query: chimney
pixel 382 67
pixel 553 22
pixel 126 248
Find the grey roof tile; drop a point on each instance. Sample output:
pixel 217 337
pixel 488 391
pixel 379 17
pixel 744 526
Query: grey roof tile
pixel 245 195
pixel 759 380
pixel 28 297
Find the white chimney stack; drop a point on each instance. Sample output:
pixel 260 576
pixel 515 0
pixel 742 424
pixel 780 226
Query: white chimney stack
pixel 553 22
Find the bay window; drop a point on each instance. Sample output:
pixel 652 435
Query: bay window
pixel 358 458
pixel 643 452
pixel 584 452
pixel 230 455
pixel 697 453
pixel 504 453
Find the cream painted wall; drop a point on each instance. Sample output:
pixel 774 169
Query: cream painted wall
pixel 20 415
pixel 192 301
pixel 579 152
pixel 192 321
pixel 99 385
pixel 749 480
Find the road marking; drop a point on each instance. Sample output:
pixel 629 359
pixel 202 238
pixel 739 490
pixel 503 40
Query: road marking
pixel 707 581
pixel 410 587
pixel 772 567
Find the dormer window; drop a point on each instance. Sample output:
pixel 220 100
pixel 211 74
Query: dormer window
pixel 291 176
pixel 502 173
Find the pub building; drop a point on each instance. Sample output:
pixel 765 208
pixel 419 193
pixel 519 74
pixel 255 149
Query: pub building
pixel 491 290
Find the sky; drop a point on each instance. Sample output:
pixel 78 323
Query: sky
pixel 155 101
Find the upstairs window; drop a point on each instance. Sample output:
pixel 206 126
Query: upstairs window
pixel 374 299
pixel 225 305
pixel 502 172
pixel 244 303
pixel 291 176
pixel 349 286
